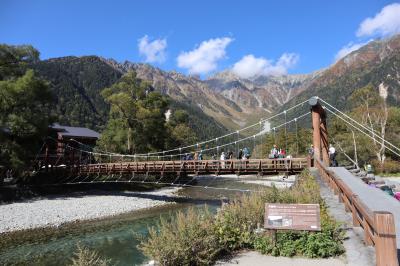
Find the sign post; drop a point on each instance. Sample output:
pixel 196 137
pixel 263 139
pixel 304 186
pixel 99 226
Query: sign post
pixel 301 217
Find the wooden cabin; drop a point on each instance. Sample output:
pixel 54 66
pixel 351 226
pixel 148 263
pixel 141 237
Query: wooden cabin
pixel 64 143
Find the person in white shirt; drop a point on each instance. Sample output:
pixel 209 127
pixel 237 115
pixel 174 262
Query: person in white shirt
pixel 222 158
pixel 332 155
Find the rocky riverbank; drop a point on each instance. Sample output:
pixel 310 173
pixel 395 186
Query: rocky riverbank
pixel 57 210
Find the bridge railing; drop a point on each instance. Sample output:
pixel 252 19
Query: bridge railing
pixel 201 166
pixel 378 226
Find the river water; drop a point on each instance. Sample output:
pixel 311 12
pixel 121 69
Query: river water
pixel 115 238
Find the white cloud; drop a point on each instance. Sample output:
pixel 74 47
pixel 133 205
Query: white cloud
pixel 348 48
pixel 205 57
pixel 385 23
pixel 152 51
pixel 250 66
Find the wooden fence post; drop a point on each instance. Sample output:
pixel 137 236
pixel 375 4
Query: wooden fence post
pixel 354 210
pixel 385 240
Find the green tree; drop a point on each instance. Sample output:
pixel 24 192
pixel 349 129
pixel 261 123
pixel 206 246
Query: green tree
pixel 137 117
pixel 372 110
pixel 15 59
pixel 25 104
pixel 180 133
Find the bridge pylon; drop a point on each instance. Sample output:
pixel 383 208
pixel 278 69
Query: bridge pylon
pixel 320 131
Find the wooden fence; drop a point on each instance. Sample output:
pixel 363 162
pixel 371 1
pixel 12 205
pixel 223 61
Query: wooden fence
pixel 379 226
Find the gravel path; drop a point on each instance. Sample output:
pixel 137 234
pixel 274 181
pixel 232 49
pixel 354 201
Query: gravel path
pixel 54 211
pixel 252 258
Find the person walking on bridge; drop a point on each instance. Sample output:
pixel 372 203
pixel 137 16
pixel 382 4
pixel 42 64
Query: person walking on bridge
pixel 274 152
pixel 311 154
pixel 246 153
pixel 240 154
pixel 311 151
pixel 332 156
pixel 222 158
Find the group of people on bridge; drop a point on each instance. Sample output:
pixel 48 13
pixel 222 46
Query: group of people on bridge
pixel 192 156
pixel 242 154
pixel 277 153
pixel 331 152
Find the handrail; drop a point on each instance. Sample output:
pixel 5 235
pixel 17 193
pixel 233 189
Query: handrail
pixel 379 227
pixel 233 166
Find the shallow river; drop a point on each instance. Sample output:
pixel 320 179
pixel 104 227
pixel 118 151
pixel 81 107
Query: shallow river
pixel 114 238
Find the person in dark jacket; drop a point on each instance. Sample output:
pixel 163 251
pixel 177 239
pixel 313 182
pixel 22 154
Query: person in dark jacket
pixel 240 154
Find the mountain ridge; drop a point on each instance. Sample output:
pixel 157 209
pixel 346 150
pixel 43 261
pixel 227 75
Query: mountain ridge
pixel 229 101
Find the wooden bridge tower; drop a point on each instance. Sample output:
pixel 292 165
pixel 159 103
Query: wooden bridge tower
pixel 320 131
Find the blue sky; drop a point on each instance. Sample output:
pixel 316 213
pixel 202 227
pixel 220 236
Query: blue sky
pixel 200 37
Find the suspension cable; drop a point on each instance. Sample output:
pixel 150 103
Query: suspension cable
pixel 210 140
pixel 344 152
pixel 376 134
pixel 181 154
pixel 390 149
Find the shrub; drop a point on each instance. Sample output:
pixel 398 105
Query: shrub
pixel 389 166
pixel 188 240
pixel 198 238
pixel 323 244
pixel 263 244
pixel 86 257
pixel 235 223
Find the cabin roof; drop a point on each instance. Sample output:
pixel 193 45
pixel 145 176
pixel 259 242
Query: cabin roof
pixel 67 131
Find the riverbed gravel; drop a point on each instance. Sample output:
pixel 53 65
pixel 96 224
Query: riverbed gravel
pixel 60 209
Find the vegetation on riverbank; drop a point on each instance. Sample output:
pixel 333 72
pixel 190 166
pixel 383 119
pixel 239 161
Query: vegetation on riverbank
pixel 199 238
pixel 86 257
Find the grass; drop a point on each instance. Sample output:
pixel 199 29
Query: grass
pixel 199 238
pixel 86 257
pixel 389 174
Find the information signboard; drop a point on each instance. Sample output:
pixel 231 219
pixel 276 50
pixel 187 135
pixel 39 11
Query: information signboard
pixel 292 216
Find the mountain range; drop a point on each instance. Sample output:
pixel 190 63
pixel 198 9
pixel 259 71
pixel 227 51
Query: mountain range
pixel 222 101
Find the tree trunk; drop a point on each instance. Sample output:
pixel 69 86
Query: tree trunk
pixel 355 148
pixel 129 140
pixel 383 134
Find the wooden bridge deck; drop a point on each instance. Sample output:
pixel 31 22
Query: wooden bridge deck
pixel 217 167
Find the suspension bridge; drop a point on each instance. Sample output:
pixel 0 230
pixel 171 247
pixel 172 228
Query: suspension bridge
pixel 379 215
pixel 81 163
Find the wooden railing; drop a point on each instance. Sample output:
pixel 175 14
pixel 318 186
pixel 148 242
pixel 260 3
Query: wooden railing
pixel 252 166
pixel 379 226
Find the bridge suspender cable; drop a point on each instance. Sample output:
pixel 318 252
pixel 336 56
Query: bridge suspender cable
pixel 182 154
pixel 210 140
pixel 375 133
pixel 359 129
pixel 345 154
pixel 147 155
pixel 229 134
